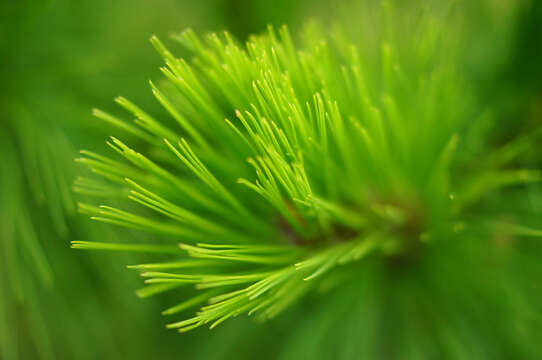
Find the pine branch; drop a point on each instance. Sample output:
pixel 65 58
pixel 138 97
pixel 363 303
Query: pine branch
pixel 294 161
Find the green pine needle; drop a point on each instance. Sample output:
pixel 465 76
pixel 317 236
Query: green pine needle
pixel 285 163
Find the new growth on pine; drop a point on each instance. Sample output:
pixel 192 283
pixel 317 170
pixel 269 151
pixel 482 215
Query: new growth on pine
pixel 282 168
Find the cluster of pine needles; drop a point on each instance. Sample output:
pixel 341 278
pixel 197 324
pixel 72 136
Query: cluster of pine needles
pixel 278 167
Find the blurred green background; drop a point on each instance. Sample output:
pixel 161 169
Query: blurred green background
pixel 58 59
